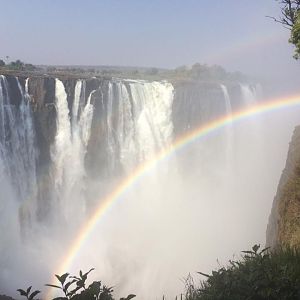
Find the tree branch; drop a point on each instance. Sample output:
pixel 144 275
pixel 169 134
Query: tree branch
pixel 286 24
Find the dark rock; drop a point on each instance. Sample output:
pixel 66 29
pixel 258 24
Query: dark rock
pixel 284 222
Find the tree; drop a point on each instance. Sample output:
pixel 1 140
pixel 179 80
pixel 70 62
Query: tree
pixel 17 65
pixel 295 37
pixel 2 63
pixel 290 19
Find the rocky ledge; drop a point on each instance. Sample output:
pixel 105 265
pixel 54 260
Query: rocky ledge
pixel 284 222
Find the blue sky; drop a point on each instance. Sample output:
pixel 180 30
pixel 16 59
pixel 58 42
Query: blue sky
pixel 161 33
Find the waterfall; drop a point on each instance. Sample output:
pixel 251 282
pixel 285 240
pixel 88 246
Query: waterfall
pixel 111 147
pixel 229 129
pixel 17 142
pixel 69 149
pixel 62 144
pixel 85 121
pixel 139 122
pixel 152 108
pixel 249 96
pixel 227 99
pixel 75 109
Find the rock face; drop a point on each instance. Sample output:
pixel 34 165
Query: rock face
pixel 106 128
pixel 284 222
pixel 197 103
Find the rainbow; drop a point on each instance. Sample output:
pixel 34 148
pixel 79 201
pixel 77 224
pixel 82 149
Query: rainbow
pixel 116 195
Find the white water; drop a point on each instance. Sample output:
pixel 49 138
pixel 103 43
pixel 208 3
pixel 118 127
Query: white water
pixel 248 94
pixel 143 124
pixel 69 151
pixel 251 94
pixel 152 108
pixel 17 147
pixel 18 182
pixel 229 129
pixel 227 100
pixel 168 223
pixel 75 109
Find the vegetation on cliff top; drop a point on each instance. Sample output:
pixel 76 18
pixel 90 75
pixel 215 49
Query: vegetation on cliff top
pixel 196 72
pixel 17 65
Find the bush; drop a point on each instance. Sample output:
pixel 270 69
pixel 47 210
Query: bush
pixel 74 288
pixel 258 275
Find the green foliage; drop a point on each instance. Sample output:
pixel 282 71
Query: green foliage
pixel 26 293
pixel 17 65
pixel 74 288
pixel 295 37
pixel 258 275
pixel 290 19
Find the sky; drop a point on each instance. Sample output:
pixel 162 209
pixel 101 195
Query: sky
pixel 160 33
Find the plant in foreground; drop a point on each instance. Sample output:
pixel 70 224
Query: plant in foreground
pixel 258 275
pixel 74 288
pixel 26 293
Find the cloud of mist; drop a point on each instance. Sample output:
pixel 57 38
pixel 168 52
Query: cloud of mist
pixel 203 204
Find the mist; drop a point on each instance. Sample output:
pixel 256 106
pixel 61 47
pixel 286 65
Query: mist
pixel 197 207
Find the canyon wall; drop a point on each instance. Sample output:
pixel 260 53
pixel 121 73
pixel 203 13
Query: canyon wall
pixel 284 222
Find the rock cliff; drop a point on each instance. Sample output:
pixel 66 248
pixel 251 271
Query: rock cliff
pixel 284 222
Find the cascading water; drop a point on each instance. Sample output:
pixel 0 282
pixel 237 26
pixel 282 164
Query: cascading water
pixel 69 150
pixel 229 128
pixel 17 148
pixel 119 124
pixel 248 94
pixel 153 108
pixel 138 120
pixel 227 100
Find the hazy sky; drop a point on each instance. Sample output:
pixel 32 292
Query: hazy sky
pixel 161 33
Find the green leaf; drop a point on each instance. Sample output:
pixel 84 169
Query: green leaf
pixel 80 283
pixel 28 290
pixel 248 252
pixel 62 278
pixel 255 248
pixel 87 272
pixel 71 293
pixel 69 283
pixel 77 278
pixel 33 295
pixel 22 292
pixel 53 285
pixel 203 274
pixel 264 250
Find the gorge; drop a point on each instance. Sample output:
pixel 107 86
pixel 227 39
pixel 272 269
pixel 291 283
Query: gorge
pixel 66 143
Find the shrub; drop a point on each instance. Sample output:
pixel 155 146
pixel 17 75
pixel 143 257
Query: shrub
pixel 258 275
pixel 74 288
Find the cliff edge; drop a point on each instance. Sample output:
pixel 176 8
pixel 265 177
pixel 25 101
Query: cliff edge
pixel 284 222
